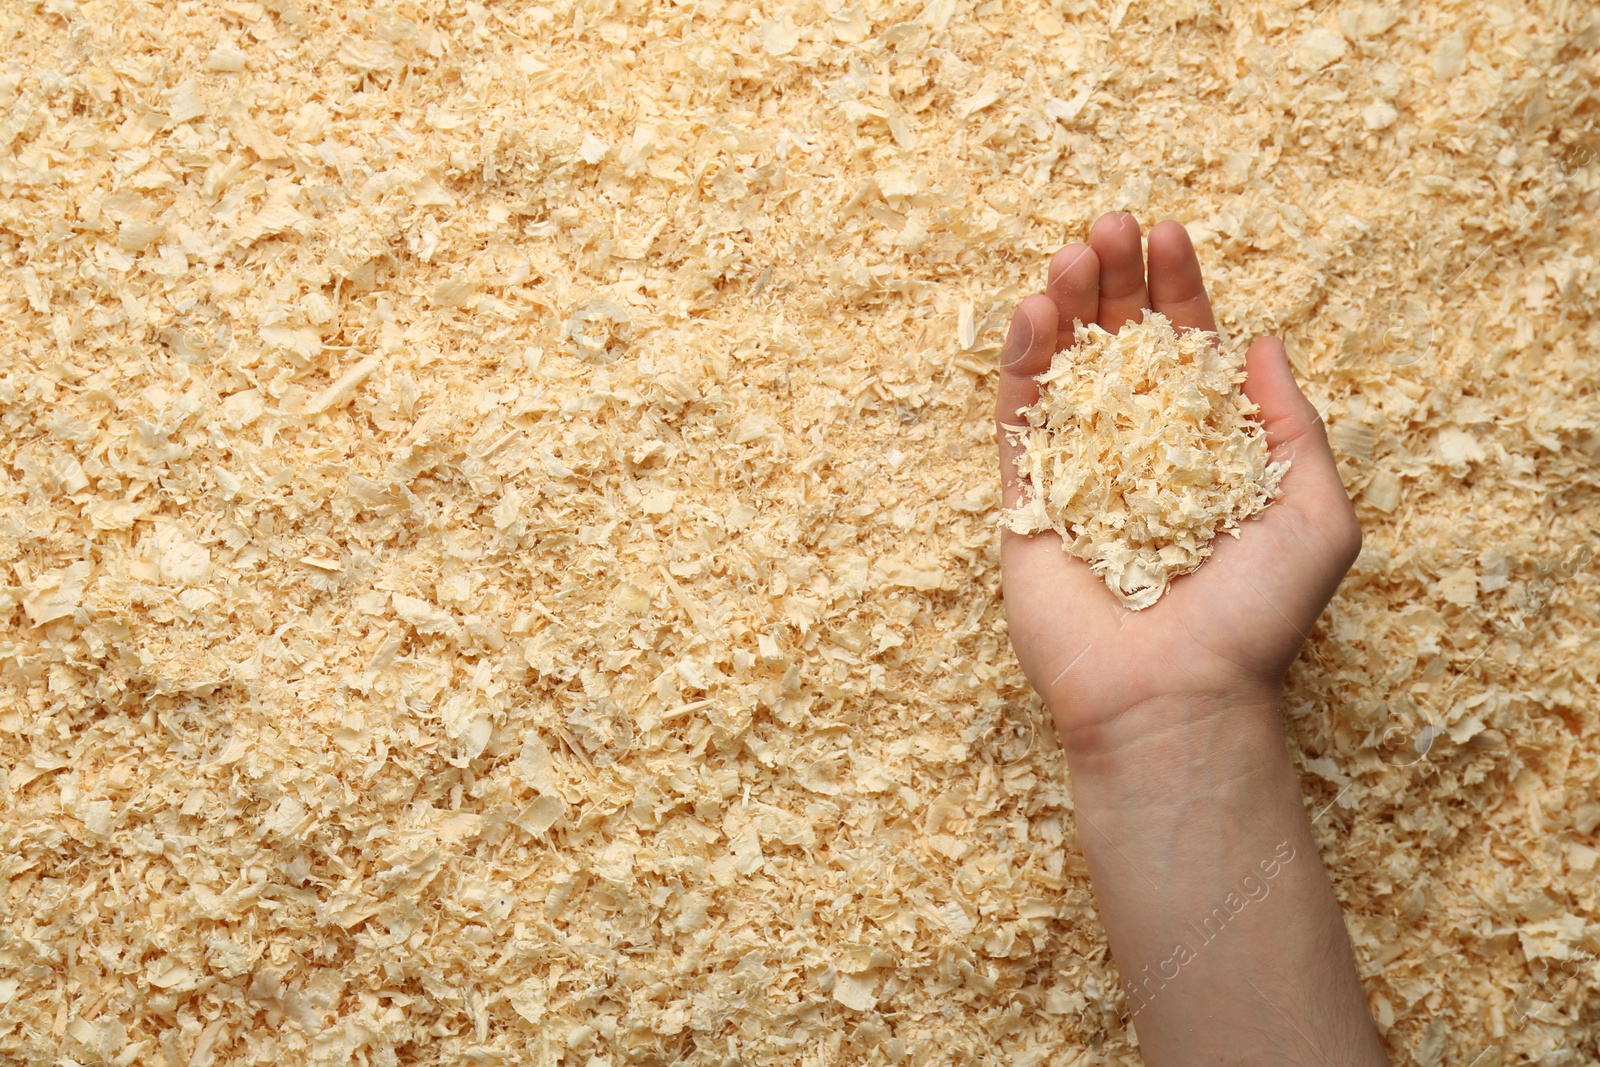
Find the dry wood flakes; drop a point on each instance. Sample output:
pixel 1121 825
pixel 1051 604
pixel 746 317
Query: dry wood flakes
pixel 497 516
pixel 1139 451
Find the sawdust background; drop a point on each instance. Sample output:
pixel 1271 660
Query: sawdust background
pixel 498 527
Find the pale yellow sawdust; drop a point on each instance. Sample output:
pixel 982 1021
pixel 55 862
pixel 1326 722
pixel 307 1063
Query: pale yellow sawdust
pixel 1139 452
pixel 497 516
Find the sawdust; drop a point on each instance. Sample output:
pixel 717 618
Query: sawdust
pixel 497 516
pixel 1140 450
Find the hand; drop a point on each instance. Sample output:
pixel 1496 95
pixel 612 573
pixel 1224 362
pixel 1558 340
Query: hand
pixel 1181 781
pixel 1225 633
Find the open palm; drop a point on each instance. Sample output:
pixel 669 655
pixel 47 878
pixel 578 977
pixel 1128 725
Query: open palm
pixel 1228 630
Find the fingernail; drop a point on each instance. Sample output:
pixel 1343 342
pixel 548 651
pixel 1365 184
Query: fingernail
pixel 1018 340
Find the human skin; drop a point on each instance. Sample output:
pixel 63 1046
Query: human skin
pixel 1169 717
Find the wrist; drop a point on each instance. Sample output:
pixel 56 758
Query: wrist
pixel 1174 749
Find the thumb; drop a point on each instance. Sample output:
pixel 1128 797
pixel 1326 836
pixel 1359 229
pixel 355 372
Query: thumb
pixel 1295 432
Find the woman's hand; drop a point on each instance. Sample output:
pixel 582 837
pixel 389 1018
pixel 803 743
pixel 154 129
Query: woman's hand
pixel 1229 942
pixel 1224 634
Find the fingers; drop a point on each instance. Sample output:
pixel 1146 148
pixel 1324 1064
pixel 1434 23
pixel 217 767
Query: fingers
pixel 1026 354
pixel 1123 294
pixel 1176 288
pixel 1074 287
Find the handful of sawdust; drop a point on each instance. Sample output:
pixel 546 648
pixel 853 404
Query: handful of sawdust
pixel 1139 451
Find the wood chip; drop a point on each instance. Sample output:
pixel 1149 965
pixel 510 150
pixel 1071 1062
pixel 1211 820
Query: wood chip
pixel 410 410
pixel 1141 450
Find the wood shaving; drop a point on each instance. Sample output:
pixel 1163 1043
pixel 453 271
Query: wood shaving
pixel 342 719
pixel 1140 450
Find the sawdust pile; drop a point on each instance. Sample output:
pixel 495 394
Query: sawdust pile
pixel 497 516
pixel 1140 450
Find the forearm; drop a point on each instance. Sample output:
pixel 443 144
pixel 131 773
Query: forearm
pixel 1227 935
